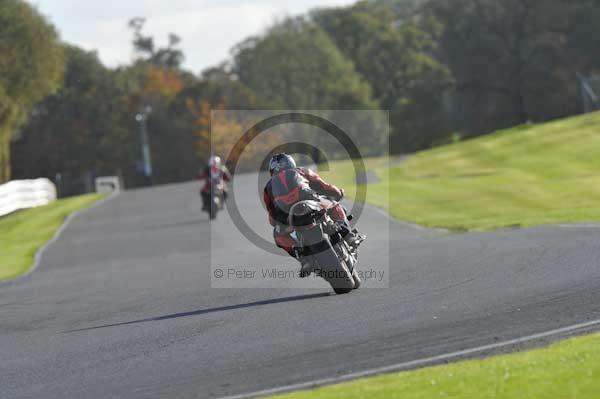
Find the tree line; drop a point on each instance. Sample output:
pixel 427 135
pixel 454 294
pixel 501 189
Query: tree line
pixel 445 70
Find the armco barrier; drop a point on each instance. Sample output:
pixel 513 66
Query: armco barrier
pixel 23 194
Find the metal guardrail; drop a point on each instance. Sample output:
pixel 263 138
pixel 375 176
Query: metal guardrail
pixel 23 194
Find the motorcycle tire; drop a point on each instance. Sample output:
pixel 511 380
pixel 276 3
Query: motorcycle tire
pixel 214 209
pixel 334 271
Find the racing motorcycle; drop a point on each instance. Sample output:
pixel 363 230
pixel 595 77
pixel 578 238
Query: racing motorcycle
pixel 321 243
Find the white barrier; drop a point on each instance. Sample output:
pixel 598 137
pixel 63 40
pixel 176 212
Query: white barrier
pixel 23 194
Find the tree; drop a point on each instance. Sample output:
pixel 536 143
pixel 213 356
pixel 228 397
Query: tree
pixel 169 57
pixel 88 127
pixel 31 67
pixel 80 128
pixel 219 132
pixel 395 53
pixel 217 89
pixel 295 65
pixel 510 58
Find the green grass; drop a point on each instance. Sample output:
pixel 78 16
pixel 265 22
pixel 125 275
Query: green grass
pixel 567 370
pixel 23 233
pixel 524 176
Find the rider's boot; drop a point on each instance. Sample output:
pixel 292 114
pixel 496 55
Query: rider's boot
pixel 306 267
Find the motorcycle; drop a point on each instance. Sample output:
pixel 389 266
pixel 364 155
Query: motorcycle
pixel 321 243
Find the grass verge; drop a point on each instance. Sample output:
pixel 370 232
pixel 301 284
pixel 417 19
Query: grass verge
pixel 524 176
pixel 569 369
pixel 23 233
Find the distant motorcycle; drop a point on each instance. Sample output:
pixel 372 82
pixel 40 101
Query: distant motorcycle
pixel 321 242
pixel 214 192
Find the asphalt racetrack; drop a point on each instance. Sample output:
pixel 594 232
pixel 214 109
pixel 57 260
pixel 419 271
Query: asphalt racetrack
pixel 121 304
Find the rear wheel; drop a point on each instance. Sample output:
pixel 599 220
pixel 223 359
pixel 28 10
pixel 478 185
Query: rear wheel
pixel 355 278
pixel 335 272
pixel 327 263
pixel 346 253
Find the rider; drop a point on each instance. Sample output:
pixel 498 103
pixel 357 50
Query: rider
pixel 289 185
pixel 214 171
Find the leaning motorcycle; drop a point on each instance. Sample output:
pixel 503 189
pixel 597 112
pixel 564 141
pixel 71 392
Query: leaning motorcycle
pixel 321 243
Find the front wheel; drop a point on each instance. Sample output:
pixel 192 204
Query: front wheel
pixel 214 208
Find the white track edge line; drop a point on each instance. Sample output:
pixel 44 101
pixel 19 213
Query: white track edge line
pixel 580 226
pixel 413 363
pixel 37 260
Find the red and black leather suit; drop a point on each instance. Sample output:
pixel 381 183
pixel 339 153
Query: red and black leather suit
pixel 213 173
pixel 289 187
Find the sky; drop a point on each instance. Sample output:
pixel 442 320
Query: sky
pixel 209 29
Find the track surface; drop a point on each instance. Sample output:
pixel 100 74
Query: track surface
pixel 120 306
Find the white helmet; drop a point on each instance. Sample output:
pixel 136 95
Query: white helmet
pixel 214 161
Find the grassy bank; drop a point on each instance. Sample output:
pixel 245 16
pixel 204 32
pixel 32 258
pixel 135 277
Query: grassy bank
pixel 528 175
pixel 569 369
pixel 23 233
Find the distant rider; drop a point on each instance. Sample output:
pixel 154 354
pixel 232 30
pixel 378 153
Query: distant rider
pixel 290 184
pixel 213 173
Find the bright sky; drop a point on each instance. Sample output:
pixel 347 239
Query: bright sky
pixel 208 28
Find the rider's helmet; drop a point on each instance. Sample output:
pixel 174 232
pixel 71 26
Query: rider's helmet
pixel 214 161
pixel 281 162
